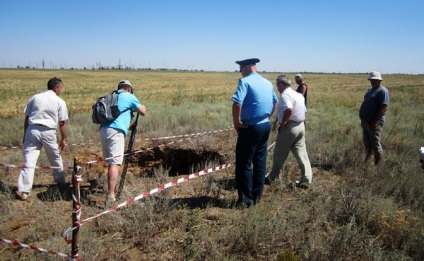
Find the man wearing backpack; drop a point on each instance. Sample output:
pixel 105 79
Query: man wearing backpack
pixel 112 134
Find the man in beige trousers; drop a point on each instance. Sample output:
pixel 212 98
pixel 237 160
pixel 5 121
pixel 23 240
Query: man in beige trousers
pixel 291 112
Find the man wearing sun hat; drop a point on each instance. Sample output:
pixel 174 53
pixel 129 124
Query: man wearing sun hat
pixel 372 117
pixel 254 101
pixel 112 135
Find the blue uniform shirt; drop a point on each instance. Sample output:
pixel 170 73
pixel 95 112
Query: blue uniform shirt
pixel 127 102
pixel 257 97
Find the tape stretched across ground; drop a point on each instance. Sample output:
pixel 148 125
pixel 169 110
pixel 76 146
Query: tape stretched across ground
pixel 149 193
pixel 158 189
pixel 41 250
pixel 190 136
pixel 147 139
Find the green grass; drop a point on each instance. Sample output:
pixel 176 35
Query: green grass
pixel 353 212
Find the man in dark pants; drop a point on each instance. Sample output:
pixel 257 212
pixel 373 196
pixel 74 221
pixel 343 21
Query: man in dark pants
pixel 254 102
pixel 302 87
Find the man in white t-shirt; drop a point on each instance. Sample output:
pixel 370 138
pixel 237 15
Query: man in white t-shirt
pixel 291 112
pixel 44 112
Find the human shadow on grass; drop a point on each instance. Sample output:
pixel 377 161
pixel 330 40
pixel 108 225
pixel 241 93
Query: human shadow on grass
pixel 227 183
pixel 57 193
pixel 201 202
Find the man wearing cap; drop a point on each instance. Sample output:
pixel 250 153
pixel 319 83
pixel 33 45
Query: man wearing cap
pixel 254 101
pixel 302 87
pixel 372 116
pixel 44 113
pixel 291 113
pixel 112 135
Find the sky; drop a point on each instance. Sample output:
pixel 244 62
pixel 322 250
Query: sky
pixel 330 36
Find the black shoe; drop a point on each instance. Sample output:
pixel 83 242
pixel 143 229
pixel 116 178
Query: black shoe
pixel 268 181
pixel 302 185
pixel 241 204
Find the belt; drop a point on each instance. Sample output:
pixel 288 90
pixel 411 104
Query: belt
pixel 40 125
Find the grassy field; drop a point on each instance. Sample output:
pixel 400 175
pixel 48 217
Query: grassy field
pixel 354 211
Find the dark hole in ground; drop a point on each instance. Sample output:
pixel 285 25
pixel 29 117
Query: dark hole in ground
pixel 177 160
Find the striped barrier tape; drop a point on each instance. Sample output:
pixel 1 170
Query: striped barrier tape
pixel 11 147
pixel 188 135
pixel 21 245
pixel 88 162
pixel 21 146
pixel 102 159
pixel 27 167
pixel 136 151
pixel 147 139
pixel 149 193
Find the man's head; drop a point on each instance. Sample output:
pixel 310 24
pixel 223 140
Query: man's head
pixel 125 85
pixel 375 79
pixel 298 78
pixel 247 66
pixel 283 82
pixel 55 84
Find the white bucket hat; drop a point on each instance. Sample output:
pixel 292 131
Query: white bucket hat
pixel 375 76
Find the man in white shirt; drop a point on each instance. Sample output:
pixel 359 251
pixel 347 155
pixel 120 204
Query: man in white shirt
pixel 44 112
pixel 291 112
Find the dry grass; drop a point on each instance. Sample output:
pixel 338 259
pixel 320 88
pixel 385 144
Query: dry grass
pixel 352 212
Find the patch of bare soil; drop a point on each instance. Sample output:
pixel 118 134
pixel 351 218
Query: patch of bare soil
pixel 214 194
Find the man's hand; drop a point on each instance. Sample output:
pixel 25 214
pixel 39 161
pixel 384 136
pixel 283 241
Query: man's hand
pixel 134 125
pixel 62 144
pixel 281 126
pixel 373 125
pixel 238 126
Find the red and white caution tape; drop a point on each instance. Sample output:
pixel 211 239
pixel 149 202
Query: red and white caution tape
pixel 189 135
pixel 27 167
pixel 21 146
pixel 149 193
pixel 135 152
pixel 21 245
pixel 147 139
pixel 10 147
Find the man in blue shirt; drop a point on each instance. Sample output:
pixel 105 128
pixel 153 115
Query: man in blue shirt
pixel 254 102
pixel 112 135
pixel 372 116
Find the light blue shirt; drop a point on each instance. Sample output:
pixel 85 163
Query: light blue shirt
pixel 127 102
pixel 257 97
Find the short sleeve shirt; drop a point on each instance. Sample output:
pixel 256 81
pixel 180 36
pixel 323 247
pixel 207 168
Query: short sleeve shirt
pixel 257 97
pixel 127 103
pixel 292 100
pixel 374 98
pixel 46 108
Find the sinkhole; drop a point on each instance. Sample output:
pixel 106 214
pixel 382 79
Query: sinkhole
pixel 177 161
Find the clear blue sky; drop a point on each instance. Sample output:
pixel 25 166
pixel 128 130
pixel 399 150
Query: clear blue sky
pixel 290 36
